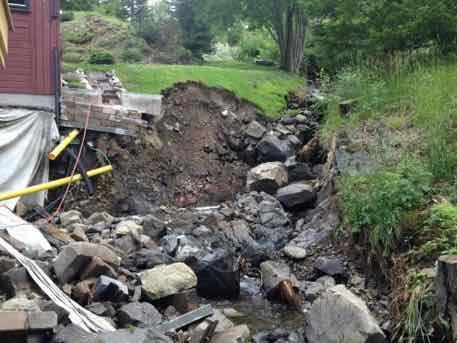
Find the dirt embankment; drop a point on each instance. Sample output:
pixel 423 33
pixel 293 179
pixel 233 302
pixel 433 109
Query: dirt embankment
pixel 190 158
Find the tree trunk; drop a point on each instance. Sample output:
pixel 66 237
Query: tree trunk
pixel 291 35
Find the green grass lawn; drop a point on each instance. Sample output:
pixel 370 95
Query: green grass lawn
pixel 264 86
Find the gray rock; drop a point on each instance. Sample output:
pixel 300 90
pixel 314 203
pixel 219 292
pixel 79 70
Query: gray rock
pixel 108 289
pixel 153 227
pixel 331 266
pixel 73 334
pixel 181 247
pixel 273 273
pixel 135 336
pixel 298 171
pixel 128 227
pixel 102 309
pixel 223 322
pixel 17 281
pixel 76 256
pixel 100 217
pixel 296 194
pixel 79 233
pixel 272 214
pixel 279 336
pixel 267 177
pixel 272 149
pixel 237 334
pixel 340 316
pixel 255 130
pixel 295 253
pixel 139 314
pixel 163 281
pixel 70 217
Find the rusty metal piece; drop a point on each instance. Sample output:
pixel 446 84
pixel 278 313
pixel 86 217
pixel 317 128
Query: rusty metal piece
pixel 209 332
pixel 289 295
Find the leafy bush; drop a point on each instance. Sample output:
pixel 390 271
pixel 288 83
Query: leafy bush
pixel 73 57
pixel 101 58
pixel 375 205
pixel 132 56
pixel 67 16
pixel 442 224
pixel 258 44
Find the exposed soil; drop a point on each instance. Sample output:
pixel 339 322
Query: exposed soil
pixel 190 158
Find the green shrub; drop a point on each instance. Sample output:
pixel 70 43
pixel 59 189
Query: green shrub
pixel 132 55
pixel 73 57
pixel 258 44
pixel 101 58
pixel 376 204
pixel 442 224
pixel 67 16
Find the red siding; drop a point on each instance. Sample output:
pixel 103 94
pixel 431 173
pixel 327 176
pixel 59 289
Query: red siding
pixel 29 64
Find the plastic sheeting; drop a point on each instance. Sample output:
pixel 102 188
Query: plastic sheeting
pixel 26 137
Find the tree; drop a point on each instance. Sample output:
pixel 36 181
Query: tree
pixel 196 33
pixel 285 20
pixel 78 5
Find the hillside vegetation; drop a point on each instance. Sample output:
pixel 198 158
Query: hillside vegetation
pixel 264 86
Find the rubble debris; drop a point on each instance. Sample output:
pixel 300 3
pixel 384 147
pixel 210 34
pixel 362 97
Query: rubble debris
pixel 267 177
pixel 27 326
pixel 339 315
pixel 296 194
pixel 108 289
pixel 255 130
pixel 218 276
pixel 76 257
pixel 273 149
pixel 331 266
pixel 166 280
pixel 236 334
pixel 186 319
pixel 138 314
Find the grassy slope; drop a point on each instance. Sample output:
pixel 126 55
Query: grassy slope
pixel 266 87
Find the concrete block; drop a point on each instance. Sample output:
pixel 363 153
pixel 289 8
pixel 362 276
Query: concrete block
pixel 150 104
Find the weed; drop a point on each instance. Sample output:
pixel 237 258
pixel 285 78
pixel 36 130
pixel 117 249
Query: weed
pixel 376 204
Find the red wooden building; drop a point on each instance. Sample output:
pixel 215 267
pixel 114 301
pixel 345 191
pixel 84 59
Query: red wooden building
pixel 31 76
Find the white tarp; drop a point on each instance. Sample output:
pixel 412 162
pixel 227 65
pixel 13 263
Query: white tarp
pixel 26 137
pixel 24 232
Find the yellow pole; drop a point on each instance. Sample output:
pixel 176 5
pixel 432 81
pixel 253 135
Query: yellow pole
pixel 54 184
pixel 63 145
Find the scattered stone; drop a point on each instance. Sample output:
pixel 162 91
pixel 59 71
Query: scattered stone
pixel 279 336
pixel 82 292
pixel 340 316
pixel 218 276
pixel 76 256
pixel 331 266
pixel 223 322
pixel 108 289
pixel 236 334
pixel 100 217
pixel 273 273
pixel 267 177
pixel 138 314
pixel 272 149
pixel 20 304
pixel 17 281
pixel 295 253
pixel 26 322
pixel 79 234
pixel 299 171
pixel 70 218
pixel 255 130
pixel 163 281
pixel 232 313
pixel 96 268
pixel 128 227
pixel 296 194
pixel 153 227
pixel 102 309
pixel 146 259
pixel 128 336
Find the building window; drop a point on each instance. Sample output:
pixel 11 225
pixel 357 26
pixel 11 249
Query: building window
pixel 21 5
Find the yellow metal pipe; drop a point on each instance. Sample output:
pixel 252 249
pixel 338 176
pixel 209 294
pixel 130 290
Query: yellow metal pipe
pixel 54 184
pixel 63 145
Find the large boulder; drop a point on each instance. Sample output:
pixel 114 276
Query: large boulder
pixel 338 316
pixel 273 149
pixel 163 281
pixel 75 257
pixel 255 130
pixel 296 195
pixel 267 177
